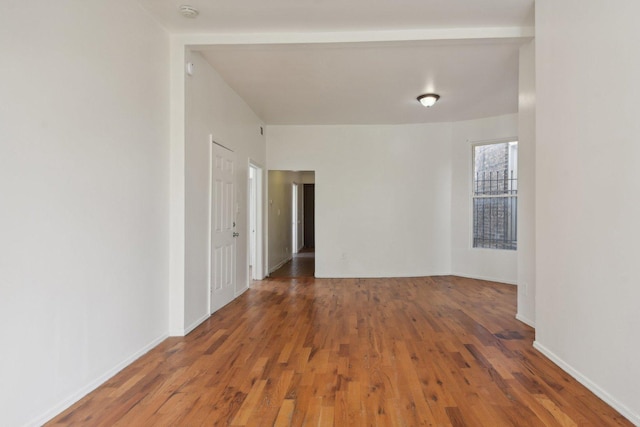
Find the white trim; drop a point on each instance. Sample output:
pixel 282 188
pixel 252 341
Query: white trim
pixel 210 227
pixel 295 216
pixel 602 394
pixel 473 144
pixel 242 291
pixel 378 276
pixel 261 251
pixel 195 324
pixel 486 278
pixel 501 140
pixel 214 141
pixel 280 264
pixel 471 149
pixel 434 34
pixel 494 249
pixel 92 385
pixel 525 320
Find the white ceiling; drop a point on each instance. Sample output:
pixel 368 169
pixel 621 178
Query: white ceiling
pixel 371 82
pixel 367 82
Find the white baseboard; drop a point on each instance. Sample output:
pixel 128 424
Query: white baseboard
pixel 195 324
pixel 176 333
pixel 321 275
pixel 242 291
pixel 526 320
pixel 602 394
pixel 280 264
pixel 92 385
pixel 487 278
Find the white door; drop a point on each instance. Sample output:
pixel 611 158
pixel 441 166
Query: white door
pixel 223 234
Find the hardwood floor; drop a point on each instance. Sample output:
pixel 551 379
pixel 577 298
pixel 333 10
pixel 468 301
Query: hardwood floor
pixel 435 351
pixel 302 264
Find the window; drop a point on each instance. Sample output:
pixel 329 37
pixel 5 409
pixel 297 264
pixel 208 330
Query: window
pixel 495 195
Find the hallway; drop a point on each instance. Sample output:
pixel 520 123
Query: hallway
pixel 303 264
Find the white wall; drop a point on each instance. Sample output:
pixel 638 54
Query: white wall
pixel 587 186
pixel 383 195
pixel 84 206
pixel 488 264
pixel 280 215
pixel 213 108
pixel 526 186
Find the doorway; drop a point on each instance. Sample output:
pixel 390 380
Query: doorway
pixel 309 216
pixel 291 221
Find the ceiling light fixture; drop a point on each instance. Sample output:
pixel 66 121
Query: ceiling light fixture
pixel 188 11
pixel 428 99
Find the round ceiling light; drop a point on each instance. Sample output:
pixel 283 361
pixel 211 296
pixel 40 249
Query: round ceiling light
pixel 188 11
pixel 428 99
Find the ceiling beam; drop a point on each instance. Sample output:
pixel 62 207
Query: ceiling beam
pixel 441 34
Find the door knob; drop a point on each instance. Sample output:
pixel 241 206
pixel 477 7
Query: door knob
pixel 235 234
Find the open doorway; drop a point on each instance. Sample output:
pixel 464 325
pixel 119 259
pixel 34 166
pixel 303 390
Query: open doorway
pixel 291 253
pixel 256 267
pixel 309 206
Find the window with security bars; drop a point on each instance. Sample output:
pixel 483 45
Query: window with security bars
pixel 495 195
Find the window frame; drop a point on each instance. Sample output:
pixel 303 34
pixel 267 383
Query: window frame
pixel 472 172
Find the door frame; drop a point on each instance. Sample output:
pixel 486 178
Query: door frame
pixel 258 270
pixel 295 213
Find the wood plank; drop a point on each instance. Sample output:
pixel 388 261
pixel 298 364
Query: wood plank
pixel 350 352
pixel 285 413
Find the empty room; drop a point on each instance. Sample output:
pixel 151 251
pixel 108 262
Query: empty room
pixel 454 181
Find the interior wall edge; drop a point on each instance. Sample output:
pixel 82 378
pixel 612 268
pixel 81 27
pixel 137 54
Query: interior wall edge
pixel 280 264
pixel 525 320
pixel 195 324
pixel 585 381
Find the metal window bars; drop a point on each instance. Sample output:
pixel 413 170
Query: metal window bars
pixel 495 210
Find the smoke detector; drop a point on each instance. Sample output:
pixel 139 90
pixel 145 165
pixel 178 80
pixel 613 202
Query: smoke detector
pixel 188 11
